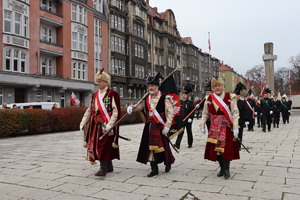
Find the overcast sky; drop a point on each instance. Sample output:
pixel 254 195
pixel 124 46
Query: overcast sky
pixel 239 28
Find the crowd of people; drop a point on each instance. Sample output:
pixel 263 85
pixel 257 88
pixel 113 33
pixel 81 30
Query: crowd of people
pixel 223 116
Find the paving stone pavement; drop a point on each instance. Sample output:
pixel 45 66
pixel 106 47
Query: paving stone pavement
pixel 53 166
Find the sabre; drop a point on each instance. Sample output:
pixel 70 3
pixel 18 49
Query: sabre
pixel 135 105
pixel 238 139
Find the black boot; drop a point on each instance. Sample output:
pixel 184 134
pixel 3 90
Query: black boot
pixel 110 167
pixel 103 169
pixel 168 168
pixel 154 169
pixel 226 172
pixel 220 160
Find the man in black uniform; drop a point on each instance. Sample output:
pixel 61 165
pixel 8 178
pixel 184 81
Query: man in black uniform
pixel 242 109
pixel 266 111
pixel 276 111
pixel 258 110
pixel 186 108
pixel 250 113
pixel 285 110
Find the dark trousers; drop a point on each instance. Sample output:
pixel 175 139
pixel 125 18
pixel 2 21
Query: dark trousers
pixel 266 120
pixel 188 128
pixel 276 116
pixel 258 117
pixel 285 117
pixel 251 124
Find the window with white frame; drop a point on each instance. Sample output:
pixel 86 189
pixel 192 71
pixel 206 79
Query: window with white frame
pixel 171 61
pixel 121 5
pixel 118 67
pixel 79 70
pixel 39 95
pixel 48 66
pixel 138 30
pixel 97 46
pixel 15 23
pixel 139 71
pixel 1 95
pixel 117 22
pixel 48 34
pixel 15 60
pixel 98 5
pixel 139 50
pixel 79 14
pixel 79 41
pixel 49 95
pixel 134 93
pixel 48 5
pixel 149 38
pixel 138 11
pixel 118 44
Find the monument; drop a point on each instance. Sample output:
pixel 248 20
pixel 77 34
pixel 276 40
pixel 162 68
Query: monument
pixel 269 59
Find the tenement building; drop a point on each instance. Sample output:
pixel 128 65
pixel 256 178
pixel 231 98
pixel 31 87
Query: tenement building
pixel 51 48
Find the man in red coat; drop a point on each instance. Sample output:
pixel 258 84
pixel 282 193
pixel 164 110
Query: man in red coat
pixel 102 113
pixel 221 108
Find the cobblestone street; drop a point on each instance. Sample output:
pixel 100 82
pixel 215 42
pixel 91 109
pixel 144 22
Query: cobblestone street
pixel 53 166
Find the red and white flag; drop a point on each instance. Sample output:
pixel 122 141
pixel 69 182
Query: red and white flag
pixel 74 99
pixel 248 81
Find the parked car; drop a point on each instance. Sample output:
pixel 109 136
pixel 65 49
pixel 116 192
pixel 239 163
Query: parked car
pixel 35 105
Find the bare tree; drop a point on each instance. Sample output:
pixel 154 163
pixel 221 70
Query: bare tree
pixel 295 73
pixel 281 80
pixel 256 74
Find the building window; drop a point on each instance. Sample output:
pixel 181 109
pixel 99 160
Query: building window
pixel 97 46
pixel 79 14
pixel 15 23
pixel 121 4
pixel 48 5
pixel 15 60
pixel 49 95
pixel 118 67
pixel 139 71
pixel 117 23
pixel 79 42
pixel 1 95
pixel 139 50
pixel 48 66
pixel 98 5
pixel 62 100
pixel 121 92
pixel 138 30
pixel 39 95
pixel 48 34
pixel 138 11
pixel 79 70
pixel 118 44
pixel 134 93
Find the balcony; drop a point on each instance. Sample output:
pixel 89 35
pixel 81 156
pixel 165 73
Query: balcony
pixel 51 48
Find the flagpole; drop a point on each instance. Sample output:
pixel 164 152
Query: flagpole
pixel 209 48
pixel 290 83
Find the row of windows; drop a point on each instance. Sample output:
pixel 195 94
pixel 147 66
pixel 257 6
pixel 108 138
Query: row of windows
pixel 139 50
pixel 117 22
pixel 48 5
pixel 48 66
pixel 159 59
pixel 118 44
pixel 48 34
pixel 15 60
pixel 118 67
pixel 97 46
pixel 15 23
pixel 171 62
pixel 79 14
pixel 118 3
pixel 98 5
pixel 79 70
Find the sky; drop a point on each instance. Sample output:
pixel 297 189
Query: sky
pixel 239 28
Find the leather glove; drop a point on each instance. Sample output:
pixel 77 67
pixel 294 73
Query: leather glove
pixel 189 120
pixel 236 133
pixel 271 112
pixel 165 130
pixel 247 123
pixel 202 130
pixel 129 110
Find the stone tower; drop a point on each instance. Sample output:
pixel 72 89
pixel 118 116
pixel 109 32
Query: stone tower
pixel 269 59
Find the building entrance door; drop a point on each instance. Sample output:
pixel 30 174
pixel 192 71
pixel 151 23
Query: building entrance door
pixel 19 95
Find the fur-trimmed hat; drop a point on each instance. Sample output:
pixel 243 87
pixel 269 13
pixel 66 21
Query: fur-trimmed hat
pixel 103 76
pixel 216 80
pixel 154 80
